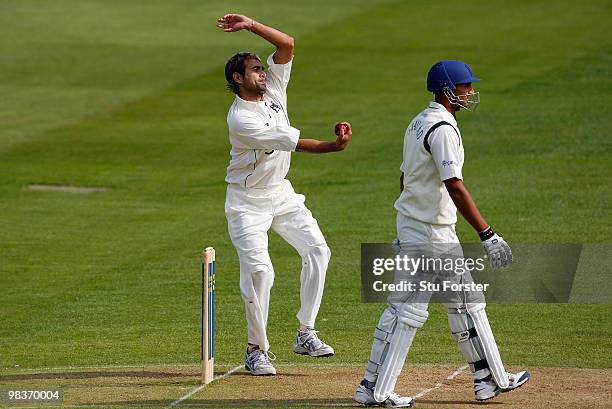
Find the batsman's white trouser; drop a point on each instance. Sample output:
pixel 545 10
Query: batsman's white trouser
pixel 407 311
pixel 467 317
pixel 250 214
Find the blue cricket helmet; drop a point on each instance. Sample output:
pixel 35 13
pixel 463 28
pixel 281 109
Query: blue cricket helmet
pixel 444 75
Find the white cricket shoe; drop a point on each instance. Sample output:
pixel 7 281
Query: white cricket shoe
pixel 486 388
pixel 308 343
pixel 516 380
pixel 257 362
pixel 365 396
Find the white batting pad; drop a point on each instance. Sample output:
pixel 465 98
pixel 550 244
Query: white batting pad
pixel 489 346
pixel 394 361
pixel 409 319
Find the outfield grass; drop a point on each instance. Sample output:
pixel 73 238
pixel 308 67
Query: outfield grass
pixel 130 96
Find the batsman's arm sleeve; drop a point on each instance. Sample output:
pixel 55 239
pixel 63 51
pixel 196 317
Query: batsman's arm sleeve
pixel 445 148
pixel 249 132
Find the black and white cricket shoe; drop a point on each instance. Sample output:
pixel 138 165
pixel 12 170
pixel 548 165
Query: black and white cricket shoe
pixel 258 362
pixel 308 343
pixel 517 380
pixel 486 388
pixel 365 396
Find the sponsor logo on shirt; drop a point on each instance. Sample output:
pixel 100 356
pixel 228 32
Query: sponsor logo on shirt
pixel 446 163
pixel 274 106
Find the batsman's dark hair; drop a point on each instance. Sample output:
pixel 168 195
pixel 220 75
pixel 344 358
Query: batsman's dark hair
pixel 236 64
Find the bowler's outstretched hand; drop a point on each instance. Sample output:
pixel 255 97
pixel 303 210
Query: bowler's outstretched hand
pixel 234 22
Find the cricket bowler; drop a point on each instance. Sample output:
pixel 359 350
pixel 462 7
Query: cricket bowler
pixel 260 198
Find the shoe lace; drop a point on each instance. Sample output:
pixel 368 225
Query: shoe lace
pixel 310 339
pixel 394 396
pixel 259 357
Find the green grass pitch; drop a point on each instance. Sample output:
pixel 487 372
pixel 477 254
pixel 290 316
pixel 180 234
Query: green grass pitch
pixel 131 96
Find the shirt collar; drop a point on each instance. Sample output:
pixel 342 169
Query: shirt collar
pixel 449 117
pixel 248 104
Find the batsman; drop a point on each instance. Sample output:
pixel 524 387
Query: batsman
pixel 432 190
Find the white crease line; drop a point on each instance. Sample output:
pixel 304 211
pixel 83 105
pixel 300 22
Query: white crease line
pixel 67 368
pixel 439 385
pixel 201 387
pixel 457 372
pixel 426 391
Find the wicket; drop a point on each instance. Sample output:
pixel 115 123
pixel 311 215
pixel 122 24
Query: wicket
pixel 208 314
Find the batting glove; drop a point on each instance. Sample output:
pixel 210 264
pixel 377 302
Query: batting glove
pixel 497 249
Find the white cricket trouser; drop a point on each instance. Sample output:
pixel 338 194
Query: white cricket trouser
pixel 410 230
pixel 466 309
pixel 407 310
pixel 438 241
pixel 250 214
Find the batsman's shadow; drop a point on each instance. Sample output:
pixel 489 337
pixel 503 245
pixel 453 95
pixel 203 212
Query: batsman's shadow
pixel 277 376
pixel 246 403
pixel 457 402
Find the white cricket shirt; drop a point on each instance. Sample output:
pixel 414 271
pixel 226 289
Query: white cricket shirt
pixel 260 134
pixel 433 153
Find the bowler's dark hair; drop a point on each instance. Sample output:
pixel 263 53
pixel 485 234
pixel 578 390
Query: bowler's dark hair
pixel 237 64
